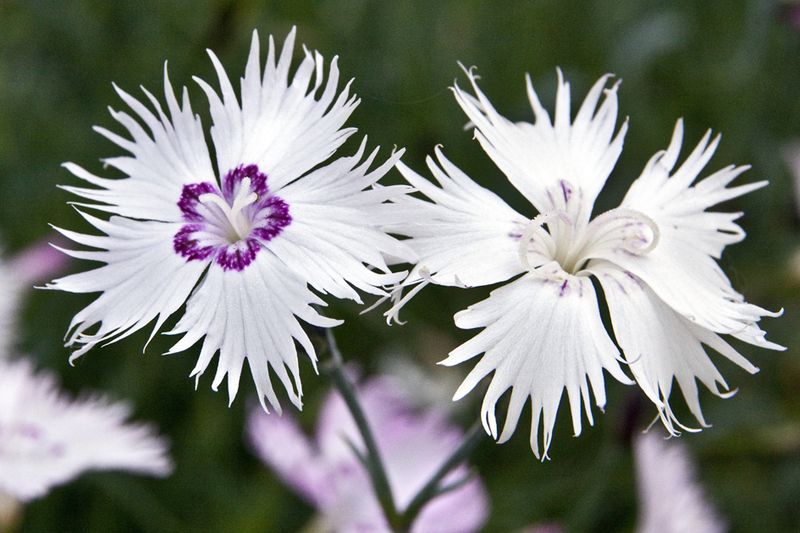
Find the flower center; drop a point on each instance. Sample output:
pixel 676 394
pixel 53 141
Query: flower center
pixel 235 223
pixel 561 236
pixel 231 225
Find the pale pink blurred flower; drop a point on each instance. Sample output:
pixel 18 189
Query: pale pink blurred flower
pixel 791 10
pixel 18 273
pixel 38 262
pixel 670 498
pixel 326 473
pixel 47 439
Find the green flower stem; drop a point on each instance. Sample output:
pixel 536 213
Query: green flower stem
pixel 380 480
pixel 433 487
pixel 399 522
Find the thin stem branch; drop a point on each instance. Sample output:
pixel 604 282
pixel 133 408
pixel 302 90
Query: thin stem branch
pixel 433 487
pixel 375 465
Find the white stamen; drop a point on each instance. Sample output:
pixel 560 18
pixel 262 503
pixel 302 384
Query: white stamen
pixel 534 228
pixel 619 228
pixel 628 242
pixel 239 224
pixel 399 301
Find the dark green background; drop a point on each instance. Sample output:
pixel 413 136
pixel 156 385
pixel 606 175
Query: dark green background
pixel 730 65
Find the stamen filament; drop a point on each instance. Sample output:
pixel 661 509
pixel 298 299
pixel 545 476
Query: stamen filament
pixel 598 234
pixel 534 228
pixel 232 213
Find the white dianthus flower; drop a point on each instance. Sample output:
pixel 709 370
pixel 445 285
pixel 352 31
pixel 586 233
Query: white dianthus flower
pixel 240 244
pixel 655 257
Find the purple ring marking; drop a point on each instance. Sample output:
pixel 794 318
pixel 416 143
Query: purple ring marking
pixel 209 234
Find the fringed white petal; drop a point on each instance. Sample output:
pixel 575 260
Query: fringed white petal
pixel 661 346
pixel 682 269
pixel 537 157
pixel 466 234
pixel 170 153
pixel 286 127
pixel 542 334
pixel 336 241
pixel 252 315
pixel 674 197
pixel 143 279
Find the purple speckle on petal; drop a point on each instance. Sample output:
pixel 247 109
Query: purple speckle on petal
pixel 563 289
pixel 633 277
pixel 29 441
pixel 57 449
pixel 30 431
pixel 550 197
pixel 566 190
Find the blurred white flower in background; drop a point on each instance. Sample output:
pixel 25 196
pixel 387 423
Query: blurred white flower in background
pixel 325 472
pixel 240 244
pixel 9 303
pixel 655 257
pixel 414 376
pixel 670 498
pixel 47 439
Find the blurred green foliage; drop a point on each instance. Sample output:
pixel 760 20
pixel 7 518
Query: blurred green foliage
pixel 730 65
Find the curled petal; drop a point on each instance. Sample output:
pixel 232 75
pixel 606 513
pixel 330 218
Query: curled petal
pixel 682 269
